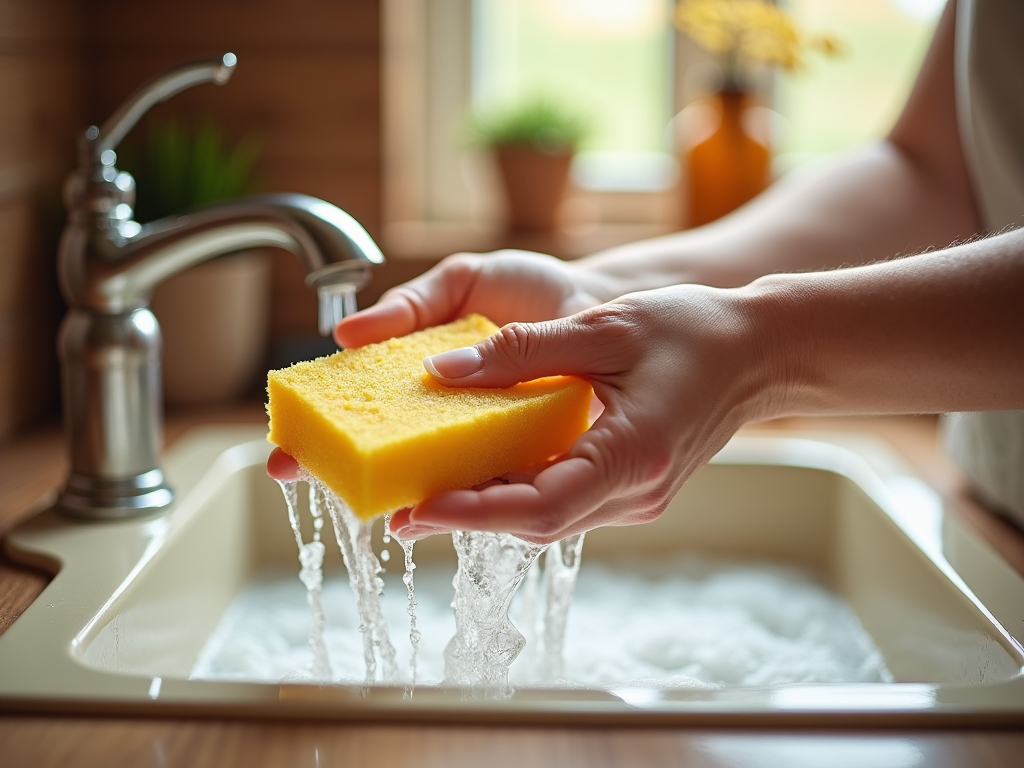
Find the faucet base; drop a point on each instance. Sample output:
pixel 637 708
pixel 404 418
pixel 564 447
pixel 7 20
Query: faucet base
pixel 95 498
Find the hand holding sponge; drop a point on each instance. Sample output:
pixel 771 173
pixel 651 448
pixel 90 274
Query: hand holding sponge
pixel 379 431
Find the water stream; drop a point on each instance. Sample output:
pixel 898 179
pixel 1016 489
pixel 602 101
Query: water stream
pixel 311 574
pixel 491 567
pixel 354 540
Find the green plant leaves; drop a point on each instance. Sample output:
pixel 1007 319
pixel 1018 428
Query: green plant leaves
pixel 180 166
pixel 541 123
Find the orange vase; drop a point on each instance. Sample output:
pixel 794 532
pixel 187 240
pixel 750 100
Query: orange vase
pixel 728 167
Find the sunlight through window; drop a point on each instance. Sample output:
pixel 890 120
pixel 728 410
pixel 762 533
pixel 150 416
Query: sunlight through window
pixel 610 60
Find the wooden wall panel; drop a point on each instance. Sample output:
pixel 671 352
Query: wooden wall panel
pixel 307 83
pixel 33 24
pixel 41 94
pixel 258 24
pixel 37 120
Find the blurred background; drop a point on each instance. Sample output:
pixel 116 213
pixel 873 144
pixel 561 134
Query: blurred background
pixel 366 103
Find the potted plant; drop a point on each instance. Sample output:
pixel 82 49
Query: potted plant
pixel 533 144
pixel 214 316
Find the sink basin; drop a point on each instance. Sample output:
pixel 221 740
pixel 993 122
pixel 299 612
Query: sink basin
pixel 133 602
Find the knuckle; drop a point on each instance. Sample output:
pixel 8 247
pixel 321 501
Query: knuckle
pixel 649 514
pixel 459 263
pixel 608 329
pixel 616 317
pixel 515 343
pixel 546 528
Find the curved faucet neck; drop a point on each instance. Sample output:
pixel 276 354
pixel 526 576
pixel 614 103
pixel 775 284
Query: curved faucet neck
pixel 102 271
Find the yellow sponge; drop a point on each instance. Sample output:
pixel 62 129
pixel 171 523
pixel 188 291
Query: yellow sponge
pixel 383 434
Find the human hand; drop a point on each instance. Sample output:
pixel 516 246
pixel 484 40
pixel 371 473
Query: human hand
pixel 505 286
pixel 678 370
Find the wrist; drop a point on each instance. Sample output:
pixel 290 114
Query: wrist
pixel 778 344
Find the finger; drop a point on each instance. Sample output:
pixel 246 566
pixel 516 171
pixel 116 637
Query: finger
pixel 616 513
pixel 431 299
pixel 558 497
pixel 384 320
pixel 281 466
pixel 406 530
pixel 581 345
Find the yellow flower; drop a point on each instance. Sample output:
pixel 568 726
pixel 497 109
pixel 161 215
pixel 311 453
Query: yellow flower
pixel 751 31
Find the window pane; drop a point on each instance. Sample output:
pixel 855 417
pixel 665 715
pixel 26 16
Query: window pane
pixel 839 103
pixel 608 59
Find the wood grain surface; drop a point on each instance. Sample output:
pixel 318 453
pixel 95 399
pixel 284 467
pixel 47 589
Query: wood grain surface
pixel 42 743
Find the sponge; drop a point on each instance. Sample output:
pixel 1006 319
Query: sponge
pixel 383 434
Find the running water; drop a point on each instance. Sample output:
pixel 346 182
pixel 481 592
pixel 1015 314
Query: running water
pixel 544 623
pixel 561 567
pixel 311 574
pixel 354 541
pixel 414 632
pixel 407 579
pixel 491 567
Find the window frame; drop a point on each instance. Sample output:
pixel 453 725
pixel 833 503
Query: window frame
pixel 430 181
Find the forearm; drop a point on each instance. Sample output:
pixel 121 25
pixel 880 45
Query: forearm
pixel 869 206
pixel 939 332
pixel 904 195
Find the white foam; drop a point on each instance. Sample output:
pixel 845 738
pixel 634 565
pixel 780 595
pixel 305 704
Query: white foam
pixel 683 622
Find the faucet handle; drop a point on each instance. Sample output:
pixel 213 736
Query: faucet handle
pixel 213 70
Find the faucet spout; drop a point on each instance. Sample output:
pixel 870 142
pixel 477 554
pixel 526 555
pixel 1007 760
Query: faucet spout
pixel 108 273
pixel 109 265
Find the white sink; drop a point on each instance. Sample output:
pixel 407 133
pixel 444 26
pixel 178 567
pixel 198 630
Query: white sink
pixel 132 603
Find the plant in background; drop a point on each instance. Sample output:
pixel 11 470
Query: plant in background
pixel 213 316
pixel 744 33
pixel 533 145
pixel 180 166
pixel 540 123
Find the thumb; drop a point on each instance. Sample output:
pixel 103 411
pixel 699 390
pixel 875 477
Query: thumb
pixel 519 352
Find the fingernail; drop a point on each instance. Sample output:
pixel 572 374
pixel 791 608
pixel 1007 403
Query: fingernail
pixel 456 364
pixel 415 532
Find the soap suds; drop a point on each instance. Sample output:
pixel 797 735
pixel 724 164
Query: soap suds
pixel 681 622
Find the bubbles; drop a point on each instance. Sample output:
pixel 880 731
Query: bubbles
pixel 681 622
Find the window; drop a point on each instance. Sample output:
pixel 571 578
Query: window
pixel 839 103
pixel 608 60
pixel 624 65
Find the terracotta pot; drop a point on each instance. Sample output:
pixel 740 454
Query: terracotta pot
pixel 728 167
pixel 214 321
pixel 534 184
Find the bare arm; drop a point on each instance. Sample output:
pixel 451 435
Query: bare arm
pixel 905 194
pixel 679 369
pixel 933 333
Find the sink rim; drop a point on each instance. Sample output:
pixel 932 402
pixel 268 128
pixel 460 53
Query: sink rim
pixel 46 641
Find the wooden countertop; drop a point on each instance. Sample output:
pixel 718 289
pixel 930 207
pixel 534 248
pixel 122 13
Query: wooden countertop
pixel 32 467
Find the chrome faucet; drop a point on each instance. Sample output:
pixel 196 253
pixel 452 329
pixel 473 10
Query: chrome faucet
pixel 108 265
